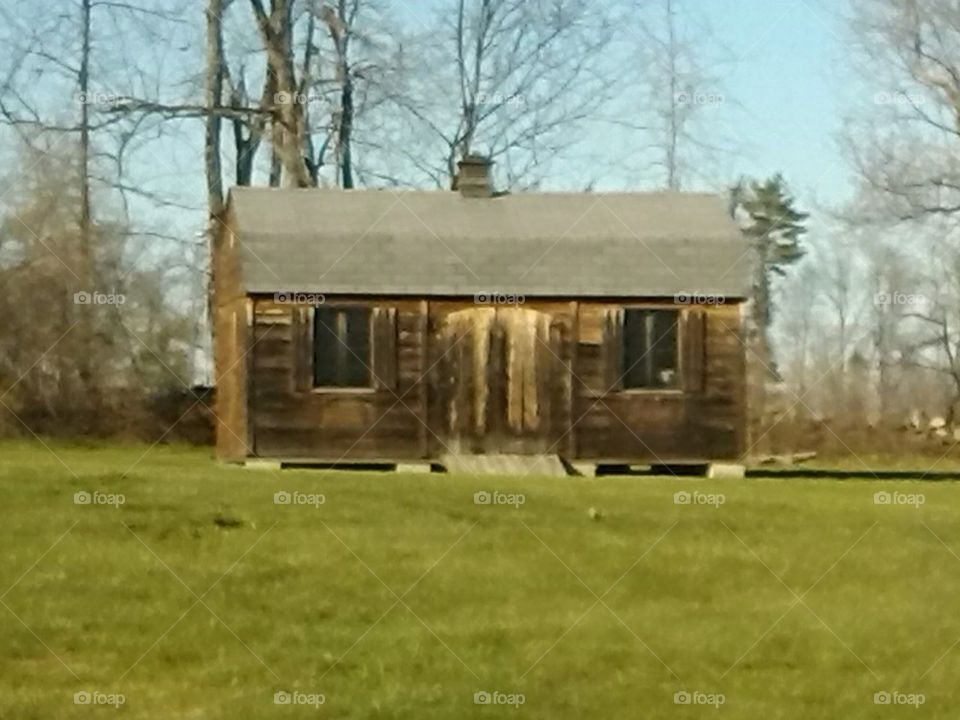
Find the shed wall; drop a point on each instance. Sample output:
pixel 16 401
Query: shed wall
pixel 231 346
pixel 440 387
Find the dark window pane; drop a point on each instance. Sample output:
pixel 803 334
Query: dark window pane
pixel 650 349
pixel 356 367
pixel 341 347
pixel 664 349
pixel 325 344
pixel 634 370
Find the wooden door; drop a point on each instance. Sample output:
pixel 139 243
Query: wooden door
pixel 501 383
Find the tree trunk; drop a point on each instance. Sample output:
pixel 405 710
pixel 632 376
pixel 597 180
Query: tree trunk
pixel 214 98
pixel 673 121
pixel 89 384
pixel 346 104
pixel 288 121
pixel 212 157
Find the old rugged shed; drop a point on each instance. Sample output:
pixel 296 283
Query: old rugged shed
pixel 381 326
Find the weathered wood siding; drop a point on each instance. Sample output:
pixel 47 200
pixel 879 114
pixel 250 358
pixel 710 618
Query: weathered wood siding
pixel 448 378
pixel 291 419
pixel 501 377
pixel 703 420
pixel 231 341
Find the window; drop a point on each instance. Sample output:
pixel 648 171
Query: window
pixel 650 357
pixel 341 347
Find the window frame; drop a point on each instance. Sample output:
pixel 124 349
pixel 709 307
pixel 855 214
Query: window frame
pixel 370 387
pixel 678 388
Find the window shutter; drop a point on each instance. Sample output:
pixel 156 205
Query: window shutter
pixel 385 348
pixel 694 345
pixel 612 350
pixel 302 347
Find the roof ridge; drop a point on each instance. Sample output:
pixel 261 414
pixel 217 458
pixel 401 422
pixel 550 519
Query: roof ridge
pixel 243 189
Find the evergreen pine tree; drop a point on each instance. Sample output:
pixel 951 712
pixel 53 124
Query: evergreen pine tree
pixel 775 228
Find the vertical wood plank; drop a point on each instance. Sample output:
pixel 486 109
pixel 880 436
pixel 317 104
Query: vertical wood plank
pixel 694 347
pixel 302 348
pixel 556 390
pixel 612 349
pixel 496 410
pixel 385 348
pixel 467 386
pixel 569 343
pixel 422 385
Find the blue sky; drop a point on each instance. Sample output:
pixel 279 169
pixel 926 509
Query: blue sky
pixel 792 80
pixel 788 86
pixel 787 91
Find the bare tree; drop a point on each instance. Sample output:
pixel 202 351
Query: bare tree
pixel 120 336
pixel 288 126
pixel 348 70
pixel 216 72
pixel 904 146
pixel 61 52
pixel 514 80
pixel 679 81
pixel 902 143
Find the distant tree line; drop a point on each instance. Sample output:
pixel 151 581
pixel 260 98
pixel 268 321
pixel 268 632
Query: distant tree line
pixel 106 107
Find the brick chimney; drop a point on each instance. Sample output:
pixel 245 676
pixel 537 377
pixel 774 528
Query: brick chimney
pixel 473 177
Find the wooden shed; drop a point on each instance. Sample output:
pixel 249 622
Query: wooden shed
pixel 411 327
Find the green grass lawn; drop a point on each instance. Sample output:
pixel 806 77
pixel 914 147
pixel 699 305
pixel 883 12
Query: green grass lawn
pixel 399 597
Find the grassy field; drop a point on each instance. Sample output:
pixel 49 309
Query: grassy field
pixel 183 590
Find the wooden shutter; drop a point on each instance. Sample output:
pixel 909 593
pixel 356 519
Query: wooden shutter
pixel 694 350
pixel 612 350
pixel 385 356
pixel 302 348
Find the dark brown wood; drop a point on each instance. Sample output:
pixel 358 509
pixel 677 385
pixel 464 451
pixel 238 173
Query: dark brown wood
pixel 693 362
pixel 562 338
pixel 446 382
pixel 385 348
pixel 496 410
pixel 612 349
pixel 232 340
pixel 704 422
pixel 547 372
pixel 455 432
pixel 291 418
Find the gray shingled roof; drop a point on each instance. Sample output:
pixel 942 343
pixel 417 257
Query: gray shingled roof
pixel 534 244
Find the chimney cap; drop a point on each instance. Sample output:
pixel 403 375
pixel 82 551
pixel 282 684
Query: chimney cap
pixel 475 158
